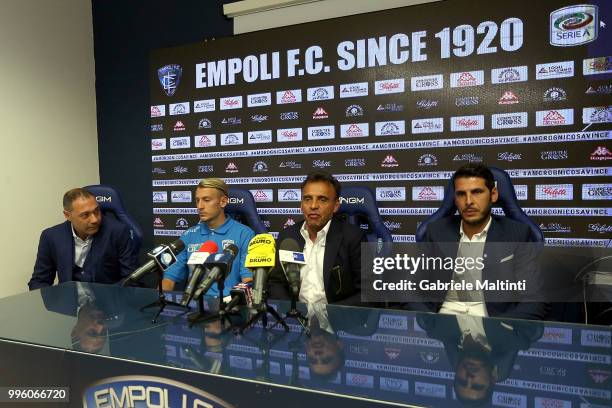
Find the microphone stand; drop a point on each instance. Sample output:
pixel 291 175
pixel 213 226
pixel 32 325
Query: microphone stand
pixel 202 316
pixel 161 301
pixel 294 313
pixel 262 313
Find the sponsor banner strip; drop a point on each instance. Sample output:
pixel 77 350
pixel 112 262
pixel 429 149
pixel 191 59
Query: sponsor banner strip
pixel 423 372
pixel 412 144
pixel 559 388
pixel 436 175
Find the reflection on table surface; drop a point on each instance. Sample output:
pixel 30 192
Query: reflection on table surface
pixel 387 355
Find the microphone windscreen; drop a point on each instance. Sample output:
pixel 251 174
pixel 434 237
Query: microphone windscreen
pixel 210 247
pixel 290 244
pixel 177 246
pixel 231 248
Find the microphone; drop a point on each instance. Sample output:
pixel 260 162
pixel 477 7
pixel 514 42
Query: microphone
pixel 198 259
pixel 161 256
pixel 242 295
pixel 218 265
pixel 260 258
pixel 291 260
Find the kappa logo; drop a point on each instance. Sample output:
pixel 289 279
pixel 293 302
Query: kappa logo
pixel 599 376
pixel 262 196
pixel 393 353
pixel 231 168
pixel 354 131
pixel 290 221
pixel 601 153
pixel 204 140
pixel 158 223
pixel 178 126
pixel 389 161
pixel 289 96
pixel 427 193
pixel 169 77
pixel 158 110
pixel 508 98
pixel 465 79
pixel 320 113
pixel 554 117
pixel 574 25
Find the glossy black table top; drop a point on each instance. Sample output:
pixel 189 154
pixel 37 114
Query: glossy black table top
pixel 384 355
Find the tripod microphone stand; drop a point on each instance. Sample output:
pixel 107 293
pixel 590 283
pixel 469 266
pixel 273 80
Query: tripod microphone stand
pixel 161 301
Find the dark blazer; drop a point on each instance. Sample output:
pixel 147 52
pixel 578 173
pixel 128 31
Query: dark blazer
pixel 109 260
pixel 512 261
pixel 506 338
pixel 341 264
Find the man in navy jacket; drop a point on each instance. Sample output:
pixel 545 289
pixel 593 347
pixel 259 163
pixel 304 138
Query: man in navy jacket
pixel 476 228
pixel 83 248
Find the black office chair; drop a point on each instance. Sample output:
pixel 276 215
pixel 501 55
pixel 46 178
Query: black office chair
pixel 241 207
pixel 507 201
pixel 110 202
pixel 358 206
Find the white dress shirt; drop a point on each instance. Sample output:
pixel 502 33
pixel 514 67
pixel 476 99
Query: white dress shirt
pixel 312 287
pixel 81 248
pixel 451 305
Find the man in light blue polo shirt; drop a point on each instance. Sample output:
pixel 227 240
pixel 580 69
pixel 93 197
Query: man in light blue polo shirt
pixel 214 225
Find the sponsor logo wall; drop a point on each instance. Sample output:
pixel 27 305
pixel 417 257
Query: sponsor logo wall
pixel 395 101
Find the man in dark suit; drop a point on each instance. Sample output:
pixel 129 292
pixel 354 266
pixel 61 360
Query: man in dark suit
pixel 83 248
pixel 332 248
pixel 476 232
pixel 480 351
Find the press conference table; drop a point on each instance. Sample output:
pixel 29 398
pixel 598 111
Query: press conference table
pixel 95 340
